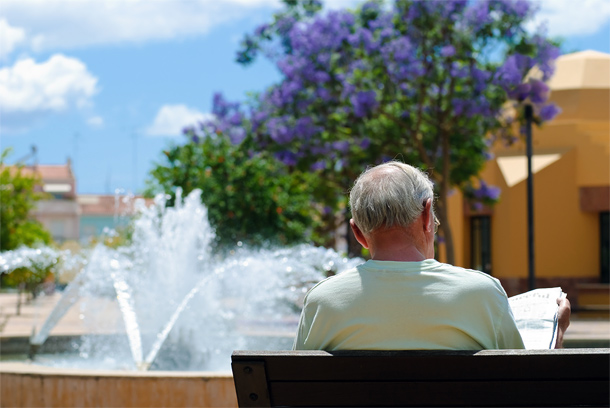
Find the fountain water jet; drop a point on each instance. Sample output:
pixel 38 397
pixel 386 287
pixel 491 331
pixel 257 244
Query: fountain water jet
pixel 183 305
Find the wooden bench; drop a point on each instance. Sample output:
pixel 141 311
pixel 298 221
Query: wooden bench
pixel 494 378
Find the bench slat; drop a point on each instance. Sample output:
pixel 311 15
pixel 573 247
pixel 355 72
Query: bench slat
pixel 449 394
pixel 423 368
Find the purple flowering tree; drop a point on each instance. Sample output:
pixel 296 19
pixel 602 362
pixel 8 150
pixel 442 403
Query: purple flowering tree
pixel 434 83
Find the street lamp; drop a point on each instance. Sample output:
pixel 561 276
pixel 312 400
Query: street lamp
pixel 529 115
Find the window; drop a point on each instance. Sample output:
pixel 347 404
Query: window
pixel 604 239
pixel 480 243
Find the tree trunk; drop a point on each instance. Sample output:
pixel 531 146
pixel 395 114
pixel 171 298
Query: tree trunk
pixel 354 248
pixel 446 228
pixel 19 293
pixel 444 193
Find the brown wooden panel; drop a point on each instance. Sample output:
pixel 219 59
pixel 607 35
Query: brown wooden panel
pixel 459 393
pixel 251 383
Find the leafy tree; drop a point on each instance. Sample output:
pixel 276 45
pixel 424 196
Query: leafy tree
pixel 249 195
pixel 18 198
pixel 434 83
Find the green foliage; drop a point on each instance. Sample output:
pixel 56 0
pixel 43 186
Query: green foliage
pixel 249 196
pixel 18 197
pixel 28 279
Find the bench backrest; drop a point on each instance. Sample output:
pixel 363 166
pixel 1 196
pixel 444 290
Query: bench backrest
pixel 566 377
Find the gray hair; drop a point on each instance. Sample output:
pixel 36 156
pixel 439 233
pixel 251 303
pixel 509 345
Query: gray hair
pixel 388 195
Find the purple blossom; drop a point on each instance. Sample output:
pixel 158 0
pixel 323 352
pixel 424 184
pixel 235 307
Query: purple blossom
pixel 323 94
pixel 448 51
pixel 363 103
pixel 521 92
pixel 319 165
pixel 237 135
pixel 287 157
pixel 279 131
pixel 260 30
pixel 365 143
pixel 364 37
pixel 398 50
pixel 321 77
pixel 539 91
pixel 549 111
pixel 236 119
pixel 285 24
pixel 305 128
pixel 512 71
pixel 480 79
pixel 485 192
pixel 458 71
pixel 545 57
pixel 220 107
pixel 519 8
pixel 478 16
pixel 342 146
pixel 258 117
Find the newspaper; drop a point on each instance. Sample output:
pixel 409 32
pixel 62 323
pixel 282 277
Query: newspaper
pixel 536 316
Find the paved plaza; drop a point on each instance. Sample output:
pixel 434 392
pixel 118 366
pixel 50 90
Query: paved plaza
pixel 109 320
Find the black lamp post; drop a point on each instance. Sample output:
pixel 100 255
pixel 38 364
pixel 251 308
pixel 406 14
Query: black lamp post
pixel 529 114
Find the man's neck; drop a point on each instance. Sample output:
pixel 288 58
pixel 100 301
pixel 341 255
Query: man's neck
pixel 395 245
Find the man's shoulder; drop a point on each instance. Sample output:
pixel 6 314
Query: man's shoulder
pixel 331 283
pixel 471 277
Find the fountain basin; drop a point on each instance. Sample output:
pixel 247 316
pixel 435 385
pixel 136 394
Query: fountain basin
pixel 29 385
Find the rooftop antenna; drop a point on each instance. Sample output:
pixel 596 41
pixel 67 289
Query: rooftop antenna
pixel 31 155
pixel 108 177
pixel 134 134
pixel 75 155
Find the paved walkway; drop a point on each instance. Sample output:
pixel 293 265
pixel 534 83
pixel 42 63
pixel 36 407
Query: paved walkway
pixel 33 314
pixel 109 319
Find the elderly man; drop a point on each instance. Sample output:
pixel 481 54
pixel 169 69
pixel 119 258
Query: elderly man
pixel 402 298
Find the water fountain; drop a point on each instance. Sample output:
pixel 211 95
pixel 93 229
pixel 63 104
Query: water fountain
pixel 182 307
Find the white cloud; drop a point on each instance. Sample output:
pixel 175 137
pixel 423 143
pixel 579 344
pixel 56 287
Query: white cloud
pixel 30 90
pixel 95 121
pixel 9 38
pixel 171 119
pixel 61 24
pixel 573 18
pixel 55 85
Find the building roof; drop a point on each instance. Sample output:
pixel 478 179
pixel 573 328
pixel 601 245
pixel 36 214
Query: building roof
pixel 581 70
pixel 50 172
pixel 107 205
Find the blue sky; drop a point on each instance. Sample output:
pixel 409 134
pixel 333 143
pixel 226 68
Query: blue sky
pixel 110 83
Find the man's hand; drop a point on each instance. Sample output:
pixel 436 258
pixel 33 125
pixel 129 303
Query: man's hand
pixel 563 317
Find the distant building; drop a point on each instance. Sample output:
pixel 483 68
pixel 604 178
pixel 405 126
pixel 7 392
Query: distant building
pixel 72 217
pixel 60 213
pixel 98 212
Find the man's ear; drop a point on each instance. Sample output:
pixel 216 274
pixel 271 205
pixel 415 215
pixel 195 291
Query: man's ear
pixel 427 215
pixel 358 234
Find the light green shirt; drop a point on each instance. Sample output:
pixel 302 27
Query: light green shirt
pixel 384 305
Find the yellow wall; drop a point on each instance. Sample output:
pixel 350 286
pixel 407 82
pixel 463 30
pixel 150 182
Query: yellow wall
pixel 566 238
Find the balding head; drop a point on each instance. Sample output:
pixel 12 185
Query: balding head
pixel 389 195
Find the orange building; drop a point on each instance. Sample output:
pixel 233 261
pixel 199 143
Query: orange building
pixel 571 166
